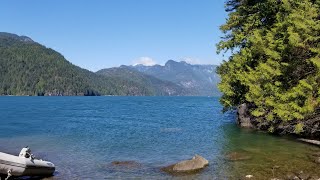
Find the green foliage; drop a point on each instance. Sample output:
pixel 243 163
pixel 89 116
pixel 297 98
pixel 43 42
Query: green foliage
pixel 275 57
pixel 28 68
pixel 298 128
pixel 271 129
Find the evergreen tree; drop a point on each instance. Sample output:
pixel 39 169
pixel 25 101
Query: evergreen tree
pixel 29 68
pixel 275 59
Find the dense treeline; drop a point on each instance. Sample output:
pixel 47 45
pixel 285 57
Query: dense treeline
pixel 28 68
pixel 155 85
pixel 275 61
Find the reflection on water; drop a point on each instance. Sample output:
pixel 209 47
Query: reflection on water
pixel 85 136
pixel 270 156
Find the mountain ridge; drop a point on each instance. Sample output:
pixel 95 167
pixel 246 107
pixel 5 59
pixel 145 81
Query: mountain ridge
pixel 159 87
pixel 200 80
pixel 29 68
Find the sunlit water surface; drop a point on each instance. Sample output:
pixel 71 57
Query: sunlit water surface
pixel 82 136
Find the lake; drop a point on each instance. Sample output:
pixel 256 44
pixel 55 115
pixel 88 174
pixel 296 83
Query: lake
pixel 82 136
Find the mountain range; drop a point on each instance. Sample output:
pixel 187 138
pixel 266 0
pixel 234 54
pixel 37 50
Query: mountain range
pixel 29 68
pixel 200 80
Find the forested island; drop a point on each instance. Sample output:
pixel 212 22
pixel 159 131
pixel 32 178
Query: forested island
pixel 273 74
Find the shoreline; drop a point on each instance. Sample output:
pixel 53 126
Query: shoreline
pixel 310 130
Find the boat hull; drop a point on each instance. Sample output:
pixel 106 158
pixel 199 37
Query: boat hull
pixel 20 166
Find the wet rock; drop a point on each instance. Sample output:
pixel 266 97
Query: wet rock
pixel 244 119
pixel 193 165
pixel 237 156
pixel 310 141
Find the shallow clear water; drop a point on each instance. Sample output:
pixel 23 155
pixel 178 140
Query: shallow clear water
pixel 82 136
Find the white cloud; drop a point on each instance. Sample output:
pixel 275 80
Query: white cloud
pixel 191 60
pixel 147 61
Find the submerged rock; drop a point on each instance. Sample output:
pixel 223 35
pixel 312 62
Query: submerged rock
pixel 316 160
pixel 300 176
pixel 127 164
pixel 188 166
pixel 303 176
pixel 237 156
pixel 314 178
pixel 292 176
pixel 315 157
pixel 317 154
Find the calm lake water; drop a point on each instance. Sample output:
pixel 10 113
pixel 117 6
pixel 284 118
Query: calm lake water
pixel 82 136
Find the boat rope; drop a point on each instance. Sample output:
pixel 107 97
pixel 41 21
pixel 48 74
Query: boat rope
pixel 9 174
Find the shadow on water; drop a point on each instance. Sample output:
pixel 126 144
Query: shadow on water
pixel 267 156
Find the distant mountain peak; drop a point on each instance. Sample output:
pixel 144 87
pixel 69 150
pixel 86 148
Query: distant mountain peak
pixel 171 63
pixel 196 79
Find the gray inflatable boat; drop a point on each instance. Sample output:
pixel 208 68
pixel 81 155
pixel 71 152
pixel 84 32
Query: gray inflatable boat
pixel 24 165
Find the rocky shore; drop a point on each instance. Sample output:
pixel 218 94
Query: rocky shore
pixel 310 129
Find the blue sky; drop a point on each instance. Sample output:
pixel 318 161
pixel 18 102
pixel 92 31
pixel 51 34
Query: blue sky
pixel 96 34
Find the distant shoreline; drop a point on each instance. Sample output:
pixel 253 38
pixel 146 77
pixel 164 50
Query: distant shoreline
pixel 98 96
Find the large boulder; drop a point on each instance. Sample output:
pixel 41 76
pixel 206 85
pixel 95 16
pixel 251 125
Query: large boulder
pixel 188 166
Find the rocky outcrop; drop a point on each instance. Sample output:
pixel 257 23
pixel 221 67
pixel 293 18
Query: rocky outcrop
pixel 188 166
pixel 244 118
pixel 311 124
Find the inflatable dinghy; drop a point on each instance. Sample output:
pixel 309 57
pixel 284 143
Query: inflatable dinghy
pixel 24 165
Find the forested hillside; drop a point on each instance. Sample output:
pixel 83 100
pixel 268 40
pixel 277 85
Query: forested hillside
pixel 155 85
pixel 28 68
pixel 274 67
